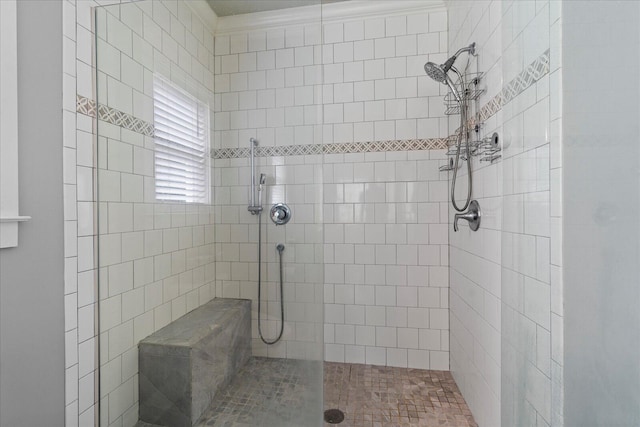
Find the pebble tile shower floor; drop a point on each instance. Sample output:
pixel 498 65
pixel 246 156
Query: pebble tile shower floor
pixel 381 396
pixel 275 392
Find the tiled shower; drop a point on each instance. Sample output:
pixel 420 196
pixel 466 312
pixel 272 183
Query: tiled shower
pixel 349 136
pixel 353 136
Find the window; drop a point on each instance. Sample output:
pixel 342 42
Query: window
pixel 181 144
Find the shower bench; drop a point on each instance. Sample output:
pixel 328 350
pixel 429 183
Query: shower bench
pixel 183 365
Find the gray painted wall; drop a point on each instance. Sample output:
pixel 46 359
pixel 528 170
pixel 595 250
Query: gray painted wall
pixel 31 275
pixel 601 160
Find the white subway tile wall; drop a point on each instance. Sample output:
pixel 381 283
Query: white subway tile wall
pixel 380 296
pixel 369 235
pixel 296 180
pixel 156 261
pixel 475 257
pixel 80 287
pixel 526 243
pixel 502 305
pixel 352 86
pixel 556 213
pixel 357 239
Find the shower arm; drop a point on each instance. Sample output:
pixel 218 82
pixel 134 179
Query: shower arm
pixel 449 63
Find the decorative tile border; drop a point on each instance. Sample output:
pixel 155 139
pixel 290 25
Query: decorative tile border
pixel 534 72
pixel 490 108
pixel 530 75
pixel 391 145
pixel 87 107
pixel 124 120
pixel 334 148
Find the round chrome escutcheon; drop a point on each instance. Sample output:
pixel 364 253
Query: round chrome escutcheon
pixel 280 214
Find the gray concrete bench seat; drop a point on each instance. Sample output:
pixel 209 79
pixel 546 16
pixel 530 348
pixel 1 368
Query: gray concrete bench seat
pixel 183 365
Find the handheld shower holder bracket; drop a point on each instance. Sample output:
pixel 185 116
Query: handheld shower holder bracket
pixel 487 149
pixel 255 209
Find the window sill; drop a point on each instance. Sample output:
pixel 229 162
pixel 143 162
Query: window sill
pixel 9 230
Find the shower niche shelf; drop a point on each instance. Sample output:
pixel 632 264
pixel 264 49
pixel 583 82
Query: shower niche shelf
pixel 486 149
pixel 468 87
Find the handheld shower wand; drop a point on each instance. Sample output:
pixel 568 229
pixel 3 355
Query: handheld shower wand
pixel 256 209
pixel 440 73
pixel 263 179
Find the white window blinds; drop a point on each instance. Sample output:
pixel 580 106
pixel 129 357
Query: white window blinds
pixel 181 144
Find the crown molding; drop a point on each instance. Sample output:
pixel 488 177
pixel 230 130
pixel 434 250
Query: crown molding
pixel 358 9
pixel 332 12
pixel 202 9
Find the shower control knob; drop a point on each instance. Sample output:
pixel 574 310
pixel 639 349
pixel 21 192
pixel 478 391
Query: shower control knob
pixel 473 215
pixel 280 214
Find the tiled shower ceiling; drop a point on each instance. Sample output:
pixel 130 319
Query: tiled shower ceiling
pixel 238 7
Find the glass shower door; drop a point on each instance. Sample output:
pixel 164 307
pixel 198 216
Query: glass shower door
pixel 176 104
pixel 268 102
pixel 155 216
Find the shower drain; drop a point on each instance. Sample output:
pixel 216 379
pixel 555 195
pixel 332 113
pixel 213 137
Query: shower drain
pixel 333 416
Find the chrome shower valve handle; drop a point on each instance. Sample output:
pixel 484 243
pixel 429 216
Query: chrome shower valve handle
pixel 473 215
pixel 280 214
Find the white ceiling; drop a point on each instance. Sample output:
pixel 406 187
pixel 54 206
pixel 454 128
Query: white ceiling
pixel 239 7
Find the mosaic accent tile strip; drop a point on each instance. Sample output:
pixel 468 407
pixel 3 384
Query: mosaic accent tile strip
pixel 530 75
pixel 490 108
pixel 335 148
pixel 534 72
pixel 88 107
pixel 391 145
pixel 85 106
pixel 127 121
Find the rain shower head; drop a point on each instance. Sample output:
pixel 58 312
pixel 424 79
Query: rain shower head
pixel 439 72
pixel 435 71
